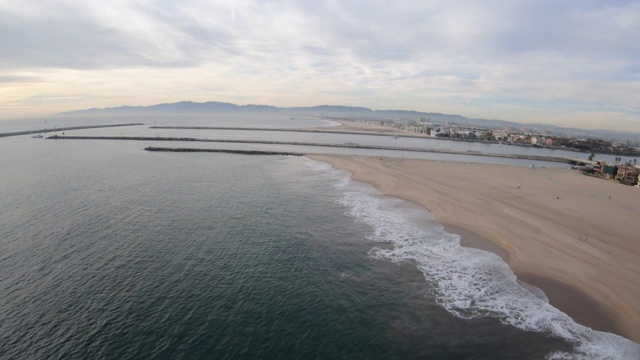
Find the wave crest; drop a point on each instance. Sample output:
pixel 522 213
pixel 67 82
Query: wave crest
pixel 470 283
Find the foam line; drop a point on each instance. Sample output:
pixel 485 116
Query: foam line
pixel 469 283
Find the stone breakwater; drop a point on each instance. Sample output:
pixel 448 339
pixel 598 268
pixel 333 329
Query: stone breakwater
pixel 27 132
pixel 327 130
pixel 346 145
pixel 242 152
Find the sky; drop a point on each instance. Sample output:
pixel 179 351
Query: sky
pixel 568 63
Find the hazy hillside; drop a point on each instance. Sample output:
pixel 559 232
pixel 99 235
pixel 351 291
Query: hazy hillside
pixel 338 111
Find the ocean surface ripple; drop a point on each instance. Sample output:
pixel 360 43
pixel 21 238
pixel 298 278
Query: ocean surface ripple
pixel 467 282
pixel 111 252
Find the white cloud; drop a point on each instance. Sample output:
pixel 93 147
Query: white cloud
pixel 486 59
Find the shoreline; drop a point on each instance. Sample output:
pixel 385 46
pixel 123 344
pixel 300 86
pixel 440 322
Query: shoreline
pixel 559 231
pixel 581 307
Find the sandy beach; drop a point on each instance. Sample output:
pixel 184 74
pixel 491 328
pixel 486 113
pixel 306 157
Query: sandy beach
pixel 575 237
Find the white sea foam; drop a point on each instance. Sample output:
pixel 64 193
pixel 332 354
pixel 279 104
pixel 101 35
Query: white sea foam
pixel 469 283
pixel 320 166
pixel 341 177
pixel 331 123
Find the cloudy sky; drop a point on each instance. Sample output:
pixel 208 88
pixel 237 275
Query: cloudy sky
pixel 570 63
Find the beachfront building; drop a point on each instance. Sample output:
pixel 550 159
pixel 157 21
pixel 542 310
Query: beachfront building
pixel 605 170
pixel 628 174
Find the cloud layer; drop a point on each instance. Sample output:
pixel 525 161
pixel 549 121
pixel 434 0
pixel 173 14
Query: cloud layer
pixel 573 63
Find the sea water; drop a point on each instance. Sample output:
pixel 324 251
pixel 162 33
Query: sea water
pixel 471 283
pixel 112 252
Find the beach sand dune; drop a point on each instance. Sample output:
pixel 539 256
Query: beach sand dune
pixel 575 237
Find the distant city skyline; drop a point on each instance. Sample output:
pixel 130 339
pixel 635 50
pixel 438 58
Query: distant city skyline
pixel 566 63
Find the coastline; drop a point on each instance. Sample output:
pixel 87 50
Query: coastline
pixel 557 229
pixel 582 308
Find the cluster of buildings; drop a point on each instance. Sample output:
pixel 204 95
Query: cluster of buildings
pixel 512 136
pixel 624 173
pixel 627 174
pixel 425 127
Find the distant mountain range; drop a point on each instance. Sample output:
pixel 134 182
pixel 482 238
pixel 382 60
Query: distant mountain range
pixel 189 107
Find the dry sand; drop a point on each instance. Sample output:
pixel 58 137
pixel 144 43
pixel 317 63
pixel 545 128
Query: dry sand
pixel 559 229
pixel 349 126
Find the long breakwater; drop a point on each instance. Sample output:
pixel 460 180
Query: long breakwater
pixel 345 145
pixel 56 129
pixel 327 130
pixel 225 151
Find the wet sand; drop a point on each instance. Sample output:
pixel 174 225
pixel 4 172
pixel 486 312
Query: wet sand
pixel 556 228
pixel 577 304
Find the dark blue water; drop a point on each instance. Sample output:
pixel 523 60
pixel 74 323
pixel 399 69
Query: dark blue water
pixel 111 252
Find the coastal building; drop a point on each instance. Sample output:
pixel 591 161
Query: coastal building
pixel 627 174
pixel 466 134
pixel 610 170
pixel 442 133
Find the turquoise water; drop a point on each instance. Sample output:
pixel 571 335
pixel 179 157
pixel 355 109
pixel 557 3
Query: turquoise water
pixel 112 252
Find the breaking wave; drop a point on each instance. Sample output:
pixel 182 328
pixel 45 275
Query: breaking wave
pixel 469 283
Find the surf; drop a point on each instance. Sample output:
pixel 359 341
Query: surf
pixel 469 283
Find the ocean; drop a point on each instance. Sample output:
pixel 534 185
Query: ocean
pixel 111 252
